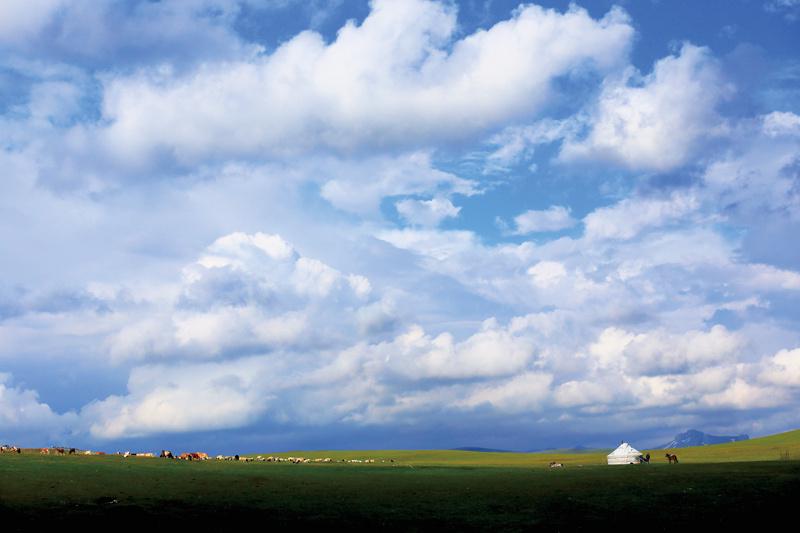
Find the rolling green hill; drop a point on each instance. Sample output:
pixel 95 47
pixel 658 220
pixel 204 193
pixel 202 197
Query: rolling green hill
pixel 771 448
pixel 743 484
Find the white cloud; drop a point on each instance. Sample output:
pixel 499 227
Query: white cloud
pixel 554 218
pixel 779 123
pixel 656 122
pixel 547 273
pixel 184 398
pixel 426 212
pixel 743 395
pixel 359 187
pixel 492 351
pixel 515 143
pixel 782 369
pixel 20 19
pixel 757 179
pixel 588 393
pixel 525 392
pixel 247 292
pixel 398 79
pixel 660 352
pixel 22 411
pixel 628 217
pixel 439 245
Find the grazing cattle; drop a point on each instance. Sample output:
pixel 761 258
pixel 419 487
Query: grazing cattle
pixel 60 451
pixel 193 456
pixel 166 454
pixel 672 458
pixel 72 451
pixel 554 464
pixel 45 451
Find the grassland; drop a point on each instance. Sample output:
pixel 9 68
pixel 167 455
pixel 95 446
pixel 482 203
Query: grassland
pixel 774 447
pixel 739 484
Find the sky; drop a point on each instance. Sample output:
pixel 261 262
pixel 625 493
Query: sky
pixel 267 225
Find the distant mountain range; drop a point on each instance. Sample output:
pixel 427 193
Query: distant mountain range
pixel 694 437
pixel 575 449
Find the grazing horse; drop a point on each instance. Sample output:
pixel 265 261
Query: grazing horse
pixel 672 458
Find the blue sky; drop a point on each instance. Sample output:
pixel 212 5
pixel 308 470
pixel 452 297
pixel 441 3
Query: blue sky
pixel 267 224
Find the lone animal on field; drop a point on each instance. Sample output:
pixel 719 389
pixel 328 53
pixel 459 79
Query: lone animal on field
pixel 672 458
pixel 554 464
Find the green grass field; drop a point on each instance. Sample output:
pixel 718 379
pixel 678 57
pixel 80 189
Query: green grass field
pixel 733 484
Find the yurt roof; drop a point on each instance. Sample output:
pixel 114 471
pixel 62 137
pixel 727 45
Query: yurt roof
pixel 625 449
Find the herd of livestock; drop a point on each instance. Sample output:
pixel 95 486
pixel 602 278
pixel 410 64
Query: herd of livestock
pixel 192 456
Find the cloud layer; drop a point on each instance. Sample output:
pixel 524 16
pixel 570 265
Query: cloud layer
pixel 535 223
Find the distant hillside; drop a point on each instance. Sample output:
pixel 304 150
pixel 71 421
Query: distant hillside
pixel 782 446
pixel 694 437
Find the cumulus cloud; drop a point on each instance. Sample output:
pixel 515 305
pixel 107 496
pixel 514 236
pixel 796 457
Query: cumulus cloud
pixel 493 351
pixel 743 395
pixel 628 217
pixel 184 398
pixel 554 218
pixel 660 352
pixel 525 392
pixel 358 187
pixel 21 412
pixel 547 273
pixel 399 78
pixel 247 292
pixel 780 123
pixel 759 178
pixel 783 368
pixel 516 143
pixel 426 212
pixel 656 122
pixel 308 307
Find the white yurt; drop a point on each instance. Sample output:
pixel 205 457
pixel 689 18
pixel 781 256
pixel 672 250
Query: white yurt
pixel 625 454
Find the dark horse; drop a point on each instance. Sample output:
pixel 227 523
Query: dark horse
pixel 672 458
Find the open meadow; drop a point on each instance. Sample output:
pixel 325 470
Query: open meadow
pixel 753 482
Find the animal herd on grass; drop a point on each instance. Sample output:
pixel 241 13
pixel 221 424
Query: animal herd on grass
pixel 202 456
